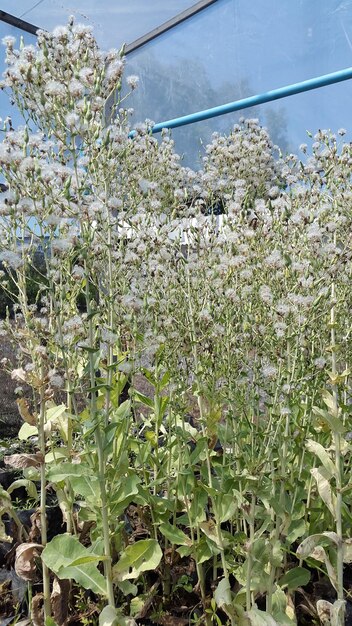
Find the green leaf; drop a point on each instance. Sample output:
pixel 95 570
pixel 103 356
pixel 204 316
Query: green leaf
pixel 321 477
pixel 58 416
pixel 62 552
pixel 55 411
pixel 296 529
pixel 259 618
pixel 331 403
pixel 174 535
pixel 108 616
pixel 50 622
pixel 86 486
pixel 27 431
pixel 57 473
pixel 333 422
pixel 125 492
pixel 114 617
pixel 27 484
pixel 222 594
pixel 307 546
pixel 140 397
pixel 139 557
pixel 210 530
pixel 127 587
pixel 89 558
pixel 317 449
pixel 226 506
pixel 294 578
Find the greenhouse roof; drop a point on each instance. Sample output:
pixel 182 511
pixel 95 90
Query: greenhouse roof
pixel 113 21
pixel 193 57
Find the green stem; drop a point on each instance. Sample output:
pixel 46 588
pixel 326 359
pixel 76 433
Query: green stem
pixel 250 557
pixel 43 520
pixel 101 456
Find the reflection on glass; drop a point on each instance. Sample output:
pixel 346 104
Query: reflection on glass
pixel 237 48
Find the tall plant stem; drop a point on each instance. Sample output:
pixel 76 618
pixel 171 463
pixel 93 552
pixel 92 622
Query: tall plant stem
pixel 43 520
pixel 100 453
pixel 250 557
pixel 337 445
pixel 200 399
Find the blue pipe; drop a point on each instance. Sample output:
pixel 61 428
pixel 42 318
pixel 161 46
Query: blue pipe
pixel 245 103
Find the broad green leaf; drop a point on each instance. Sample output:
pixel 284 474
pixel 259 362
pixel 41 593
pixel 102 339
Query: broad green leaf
pixel 258 618
pixel 311 547
pixel 284 620
pixel 294 578
pixel 331 403
pixel 139 557
pixel 307 546
pixel 58 416
pixel 334 423
pixel 210 530
pixel 128 487
pixel 222 594
pixel 140 397
pixel 226 505
pixel 86 486
pixel 321 477
pixel 317 449
pixel 108 616
pixel 296 529
pixel 55 411
pixel 89 558
pixel 48 622
pixel 198 506
pixel 60 554
pixel 205 549
pixel 27 484
pixel 127 587
pixel 121 412
pixel 57 473
pixel 175 535
pixel 55 454
pixel 279 602
pixel 27 431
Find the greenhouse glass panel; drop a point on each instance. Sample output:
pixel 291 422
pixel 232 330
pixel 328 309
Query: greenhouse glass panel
pixel 113 21
pixel 238 48
pixel 6 109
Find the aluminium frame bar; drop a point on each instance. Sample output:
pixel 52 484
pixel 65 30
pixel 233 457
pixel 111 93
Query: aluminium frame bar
pixel 134 45
pixel 17 22
pixel 171 23
pixel 245 103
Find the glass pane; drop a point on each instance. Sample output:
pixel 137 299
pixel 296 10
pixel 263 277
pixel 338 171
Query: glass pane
pixel 6 109
pixel 237 48
pixel 114 21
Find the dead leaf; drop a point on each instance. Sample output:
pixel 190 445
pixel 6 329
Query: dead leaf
pixel 19 374
pixel 38 610
pixel 59 600
pixel 23 408
pixel 324 610
pixel 25 561
pixel 35 532
pixel 20 461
